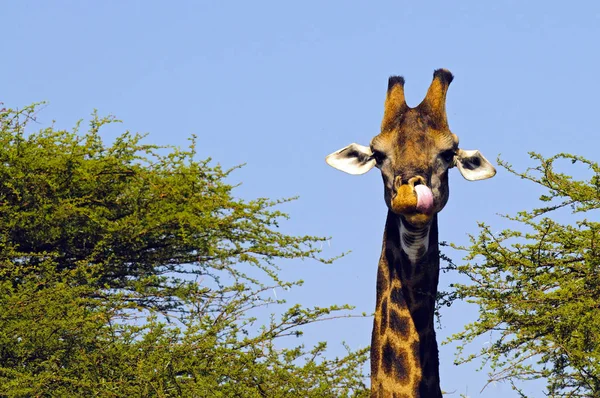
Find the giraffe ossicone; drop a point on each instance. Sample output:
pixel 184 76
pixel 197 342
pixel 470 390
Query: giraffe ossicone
pixel 414 151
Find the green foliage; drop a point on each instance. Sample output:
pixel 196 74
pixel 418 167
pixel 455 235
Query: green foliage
pixel 538 286
pixel 132 270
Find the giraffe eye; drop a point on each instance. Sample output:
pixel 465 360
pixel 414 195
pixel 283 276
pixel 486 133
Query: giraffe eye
pixel 447 155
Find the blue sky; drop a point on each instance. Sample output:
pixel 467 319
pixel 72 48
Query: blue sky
pixel 279 86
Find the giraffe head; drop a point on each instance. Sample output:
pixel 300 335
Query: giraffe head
pixel 414 152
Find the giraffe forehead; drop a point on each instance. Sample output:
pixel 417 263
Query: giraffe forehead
pixel 414 141
pixel 415 131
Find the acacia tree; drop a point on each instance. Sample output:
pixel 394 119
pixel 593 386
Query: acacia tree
pixel 538 286
pixel 132 270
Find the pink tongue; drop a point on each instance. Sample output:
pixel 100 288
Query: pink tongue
pixel 424 199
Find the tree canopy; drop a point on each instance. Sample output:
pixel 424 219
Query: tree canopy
pixel 128 269
pixel 537 285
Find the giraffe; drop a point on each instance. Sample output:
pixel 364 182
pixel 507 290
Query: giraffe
pixel 414 151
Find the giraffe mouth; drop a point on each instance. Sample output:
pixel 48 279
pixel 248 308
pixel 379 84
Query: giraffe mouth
pixel 415 204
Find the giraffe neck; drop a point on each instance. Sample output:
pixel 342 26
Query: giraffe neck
pixel 404 352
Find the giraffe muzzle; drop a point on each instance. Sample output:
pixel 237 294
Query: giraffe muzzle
pixel 414 201
pixel 409 199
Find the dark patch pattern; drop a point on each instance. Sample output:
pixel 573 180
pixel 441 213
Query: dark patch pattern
pixel 408 298
pixel 384 316
pixel 399 324
pixel 397 297
pixel 395 364
pixel 387 357
pixel 382 283
pixel 416 349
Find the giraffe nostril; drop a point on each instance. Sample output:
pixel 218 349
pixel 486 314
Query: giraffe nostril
pixel 415 181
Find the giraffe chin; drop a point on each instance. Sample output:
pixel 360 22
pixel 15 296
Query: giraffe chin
pixel 417 220
pixel 412 215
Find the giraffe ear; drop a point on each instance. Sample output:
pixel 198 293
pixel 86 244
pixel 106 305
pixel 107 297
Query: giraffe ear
pixel 473 165
pixel 353 159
